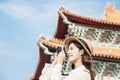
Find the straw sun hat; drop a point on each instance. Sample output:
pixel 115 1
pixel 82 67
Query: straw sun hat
pixel 86 44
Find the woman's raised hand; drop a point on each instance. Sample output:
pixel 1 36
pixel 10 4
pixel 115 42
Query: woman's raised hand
pixel 60 57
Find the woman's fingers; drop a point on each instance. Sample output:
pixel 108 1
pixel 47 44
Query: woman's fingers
pixel 62 54
pixel 55 55
pixel 61 57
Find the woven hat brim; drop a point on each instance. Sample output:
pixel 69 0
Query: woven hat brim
pixel 69 39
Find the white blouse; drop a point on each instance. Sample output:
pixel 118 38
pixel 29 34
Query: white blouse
pixel 50 72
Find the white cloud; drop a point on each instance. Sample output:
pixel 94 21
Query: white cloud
pixel 24 12
pixel 18 11
pixel 34 17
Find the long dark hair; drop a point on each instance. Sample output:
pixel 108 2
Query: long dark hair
pixel 86 59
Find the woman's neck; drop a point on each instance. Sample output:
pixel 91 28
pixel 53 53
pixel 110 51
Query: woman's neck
pixel 78 64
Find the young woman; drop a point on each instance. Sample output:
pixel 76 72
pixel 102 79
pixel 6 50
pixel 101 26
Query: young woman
pixel 79 53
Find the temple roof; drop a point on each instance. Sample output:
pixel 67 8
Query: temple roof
pixel 80 19
pixel 77 18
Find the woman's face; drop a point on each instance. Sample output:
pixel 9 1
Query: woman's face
pixel 74 53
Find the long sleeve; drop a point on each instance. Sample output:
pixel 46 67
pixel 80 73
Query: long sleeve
pixel 56 72
pixel 46 72
pixel 50 72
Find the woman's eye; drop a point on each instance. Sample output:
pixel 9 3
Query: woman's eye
pixel 71 48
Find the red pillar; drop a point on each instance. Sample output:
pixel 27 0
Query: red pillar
pixel 42 59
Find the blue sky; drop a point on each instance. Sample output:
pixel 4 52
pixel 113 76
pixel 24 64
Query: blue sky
pixel 21 23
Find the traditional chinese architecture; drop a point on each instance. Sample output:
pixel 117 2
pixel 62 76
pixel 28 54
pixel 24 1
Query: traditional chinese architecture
pixel 104 33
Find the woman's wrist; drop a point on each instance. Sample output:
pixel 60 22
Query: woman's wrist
pixel 60 61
